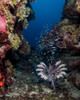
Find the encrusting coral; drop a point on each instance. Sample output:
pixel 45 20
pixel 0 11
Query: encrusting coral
pixel 13 18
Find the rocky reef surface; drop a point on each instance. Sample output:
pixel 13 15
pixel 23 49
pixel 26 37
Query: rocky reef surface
pixel 29 86
pixel 18 77
pixel 14 16
pixel 63 42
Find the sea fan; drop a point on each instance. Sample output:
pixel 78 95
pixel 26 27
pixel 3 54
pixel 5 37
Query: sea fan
pixel 53 72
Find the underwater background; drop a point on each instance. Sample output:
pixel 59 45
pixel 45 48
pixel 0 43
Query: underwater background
pixel 39 50
pixel 47 14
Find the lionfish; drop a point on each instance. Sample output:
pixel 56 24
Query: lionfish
pixel 52 73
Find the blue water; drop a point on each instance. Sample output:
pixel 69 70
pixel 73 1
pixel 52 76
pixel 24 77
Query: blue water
pixel 47 13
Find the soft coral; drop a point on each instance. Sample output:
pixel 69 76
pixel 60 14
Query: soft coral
pixel 2 24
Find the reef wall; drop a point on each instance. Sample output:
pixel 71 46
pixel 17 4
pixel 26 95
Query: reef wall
pixel 65 38
pixel 13 19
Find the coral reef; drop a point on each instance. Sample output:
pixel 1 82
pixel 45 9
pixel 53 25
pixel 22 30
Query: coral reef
pixel 13 18
pixel 63 41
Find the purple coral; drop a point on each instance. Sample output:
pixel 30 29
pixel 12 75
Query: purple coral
pixel 55 71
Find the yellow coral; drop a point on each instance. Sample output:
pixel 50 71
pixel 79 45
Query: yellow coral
pixel 11 67
pixel 14 40
pixel 23 12
pixel 68 28
pixel 9 19
pixel 14 2
pixel 25 24
pixel 10 64
pixel 78 6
